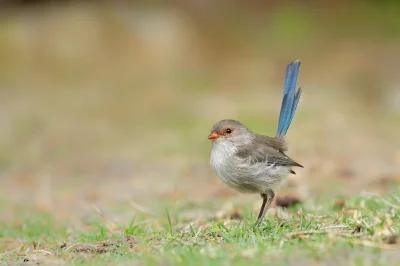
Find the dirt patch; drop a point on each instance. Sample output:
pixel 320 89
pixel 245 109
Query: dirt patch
pixel 287 201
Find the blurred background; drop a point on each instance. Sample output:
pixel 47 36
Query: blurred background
pixel 109 103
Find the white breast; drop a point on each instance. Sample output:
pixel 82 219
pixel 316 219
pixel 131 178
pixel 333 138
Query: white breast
pixel 221 160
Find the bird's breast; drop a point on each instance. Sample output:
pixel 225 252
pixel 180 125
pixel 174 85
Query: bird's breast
pixel 222 157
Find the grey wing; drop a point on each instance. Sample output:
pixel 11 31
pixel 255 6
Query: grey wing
pixel 266 154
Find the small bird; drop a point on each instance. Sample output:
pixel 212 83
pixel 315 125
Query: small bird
pixel 252 163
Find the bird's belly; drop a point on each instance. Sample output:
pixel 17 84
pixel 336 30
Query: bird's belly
pixel 239 174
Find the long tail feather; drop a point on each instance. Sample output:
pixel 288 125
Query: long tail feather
pixel 290 99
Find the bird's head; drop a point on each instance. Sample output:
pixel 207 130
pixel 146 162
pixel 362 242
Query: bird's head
pixel 229 130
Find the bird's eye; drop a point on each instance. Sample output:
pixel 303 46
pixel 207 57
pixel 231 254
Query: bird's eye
pixel 228 131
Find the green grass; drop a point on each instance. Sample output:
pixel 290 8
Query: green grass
pixel 361 232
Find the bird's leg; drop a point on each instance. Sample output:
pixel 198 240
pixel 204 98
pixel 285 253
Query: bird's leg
pixel 267 199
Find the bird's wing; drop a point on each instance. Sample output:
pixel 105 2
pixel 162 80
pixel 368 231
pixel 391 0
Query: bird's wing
pixel 265 152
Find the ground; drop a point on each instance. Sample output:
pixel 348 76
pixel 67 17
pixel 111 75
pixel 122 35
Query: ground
pixel 351 231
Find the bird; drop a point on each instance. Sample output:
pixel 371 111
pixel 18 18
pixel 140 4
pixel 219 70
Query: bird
pixel 253 163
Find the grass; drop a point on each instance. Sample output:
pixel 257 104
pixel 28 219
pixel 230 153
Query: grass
pixel 353 231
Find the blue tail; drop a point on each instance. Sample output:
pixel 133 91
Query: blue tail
pixel 290 99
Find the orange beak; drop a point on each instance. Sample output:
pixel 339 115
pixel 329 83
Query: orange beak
pixel 213 136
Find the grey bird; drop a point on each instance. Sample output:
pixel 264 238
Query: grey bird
pixel 252 163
